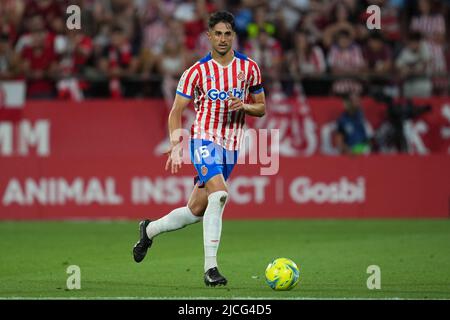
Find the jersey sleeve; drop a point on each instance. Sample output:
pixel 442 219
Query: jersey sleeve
pixel 187 82
pixel 255 80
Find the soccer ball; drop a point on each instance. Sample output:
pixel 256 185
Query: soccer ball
pixel 282 274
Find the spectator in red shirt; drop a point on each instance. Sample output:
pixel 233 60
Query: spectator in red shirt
pixel 194 17
pixel 306 59
pixel 32 24
pixel 346 62
pixel 75 50
pixel 49 10
pixel 429 22
pixel 118 61
pixel 378 55
pixel 40 65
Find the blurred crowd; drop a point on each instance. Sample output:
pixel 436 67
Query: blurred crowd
pixel 139 48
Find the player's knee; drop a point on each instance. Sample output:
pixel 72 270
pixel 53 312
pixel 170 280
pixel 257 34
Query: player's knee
pixel 219 197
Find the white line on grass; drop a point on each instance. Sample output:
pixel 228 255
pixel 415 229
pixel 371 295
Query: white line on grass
pixel 204 298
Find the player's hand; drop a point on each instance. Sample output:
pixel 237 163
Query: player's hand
pixel 235 104
pixel 174 159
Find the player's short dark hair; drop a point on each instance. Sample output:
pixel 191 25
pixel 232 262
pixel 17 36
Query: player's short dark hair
pixel 221 16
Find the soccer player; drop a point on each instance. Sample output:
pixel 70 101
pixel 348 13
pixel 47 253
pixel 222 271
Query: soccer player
pixel 221 84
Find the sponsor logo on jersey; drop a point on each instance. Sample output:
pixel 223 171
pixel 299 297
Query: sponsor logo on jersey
pixel 215 94
pixel 204 170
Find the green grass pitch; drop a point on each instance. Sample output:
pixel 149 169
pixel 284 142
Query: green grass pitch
pixel 333 255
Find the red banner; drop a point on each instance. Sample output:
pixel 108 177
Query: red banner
pixel 102 159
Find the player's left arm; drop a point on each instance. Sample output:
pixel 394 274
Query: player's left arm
pixel 258 107
pixel 255 109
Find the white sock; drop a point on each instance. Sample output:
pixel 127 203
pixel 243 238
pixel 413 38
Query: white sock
pixel 212 227
pixel 174 220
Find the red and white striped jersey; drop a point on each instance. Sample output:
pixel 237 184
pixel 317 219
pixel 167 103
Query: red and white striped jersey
pixel 346 58
pixel 211 85
pixel 428 25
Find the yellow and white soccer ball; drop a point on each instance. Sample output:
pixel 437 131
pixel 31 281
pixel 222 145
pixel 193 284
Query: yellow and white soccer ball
pixel 282 274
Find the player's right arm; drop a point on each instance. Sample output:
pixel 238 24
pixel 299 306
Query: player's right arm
pixel 175 132
pixel 184 94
